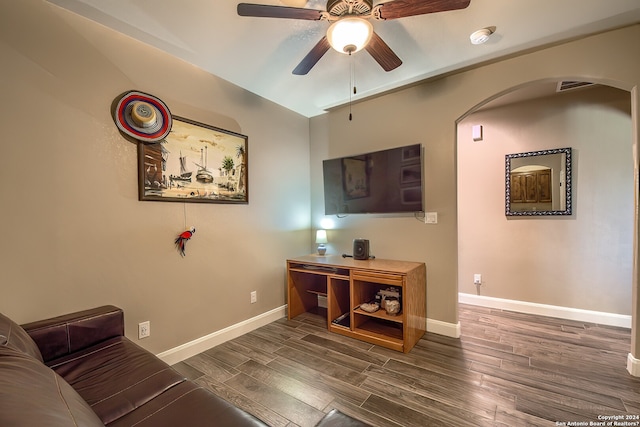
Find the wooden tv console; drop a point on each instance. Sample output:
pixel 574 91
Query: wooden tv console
pixel 347 283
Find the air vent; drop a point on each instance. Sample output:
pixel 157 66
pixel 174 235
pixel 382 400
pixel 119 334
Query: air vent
pixel 570 85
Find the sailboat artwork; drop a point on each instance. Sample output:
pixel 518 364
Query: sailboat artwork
pixel 194 163
pixel 204 174
pixel 185 175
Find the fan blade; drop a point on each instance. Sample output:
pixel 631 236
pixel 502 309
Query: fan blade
pixel 267 11
pixel 402 8
pixel 382 53
pixel 312 57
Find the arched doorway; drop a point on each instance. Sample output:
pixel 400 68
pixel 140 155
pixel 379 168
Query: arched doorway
pixel 582 265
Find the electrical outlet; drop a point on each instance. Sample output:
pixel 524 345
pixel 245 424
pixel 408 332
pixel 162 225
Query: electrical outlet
pixel 254 297
pixel 431 217
pixel 477 279
pixel 144 329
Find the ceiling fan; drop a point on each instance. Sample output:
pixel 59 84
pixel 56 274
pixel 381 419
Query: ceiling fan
pixel 350 29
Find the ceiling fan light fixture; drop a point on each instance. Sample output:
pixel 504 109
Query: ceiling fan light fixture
pixel 350 34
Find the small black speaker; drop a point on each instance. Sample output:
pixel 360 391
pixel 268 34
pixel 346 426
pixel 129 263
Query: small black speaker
pixel 360 249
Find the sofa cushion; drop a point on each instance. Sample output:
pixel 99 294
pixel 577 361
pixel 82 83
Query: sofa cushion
pixel 116 376
pixel 188 405
pixel 31 394
pixel 13 336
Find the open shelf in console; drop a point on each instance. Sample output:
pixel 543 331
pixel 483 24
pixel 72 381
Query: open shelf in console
pixel 303 294
pixel 378 327
pixel 339 302
pixel 381 329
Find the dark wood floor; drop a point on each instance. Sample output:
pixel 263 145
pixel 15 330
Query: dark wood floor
pixel 508 369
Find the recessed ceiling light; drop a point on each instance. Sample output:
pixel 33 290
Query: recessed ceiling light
pixel 482 35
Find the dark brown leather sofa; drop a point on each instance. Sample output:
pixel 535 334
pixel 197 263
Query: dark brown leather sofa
pixel 80 370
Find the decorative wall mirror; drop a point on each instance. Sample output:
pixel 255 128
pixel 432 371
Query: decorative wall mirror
pixel 538 183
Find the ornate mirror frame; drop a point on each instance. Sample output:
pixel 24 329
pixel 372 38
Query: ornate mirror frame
pixel 511 210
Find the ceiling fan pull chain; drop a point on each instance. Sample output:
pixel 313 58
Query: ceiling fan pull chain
pixel 353 70
pixel 351 83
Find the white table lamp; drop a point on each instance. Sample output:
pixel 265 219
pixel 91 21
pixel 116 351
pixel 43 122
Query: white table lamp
pixel 321 239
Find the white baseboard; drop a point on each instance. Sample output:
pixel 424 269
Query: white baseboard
pixel 443 328
pixel 601 318
pixel 633 365
pixel 199 345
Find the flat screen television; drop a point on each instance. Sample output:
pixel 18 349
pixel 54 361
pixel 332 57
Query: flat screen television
pixel 386 181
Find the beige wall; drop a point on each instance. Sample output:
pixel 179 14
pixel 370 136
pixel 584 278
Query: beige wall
pixel 427 114
pixel 582 261
pixel 76 236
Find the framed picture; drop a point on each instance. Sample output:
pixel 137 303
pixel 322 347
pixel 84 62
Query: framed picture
pixel 194 163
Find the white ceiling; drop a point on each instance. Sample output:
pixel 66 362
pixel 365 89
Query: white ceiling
pixel 259 54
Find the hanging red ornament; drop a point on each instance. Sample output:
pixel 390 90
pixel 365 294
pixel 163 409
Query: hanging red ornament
pixel 181 240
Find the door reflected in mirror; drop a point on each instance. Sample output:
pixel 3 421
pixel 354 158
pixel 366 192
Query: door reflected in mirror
pixel 538 183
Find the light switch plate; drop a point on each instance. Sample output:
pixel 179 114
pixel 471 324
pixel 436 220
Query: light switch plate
pixel 476 131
